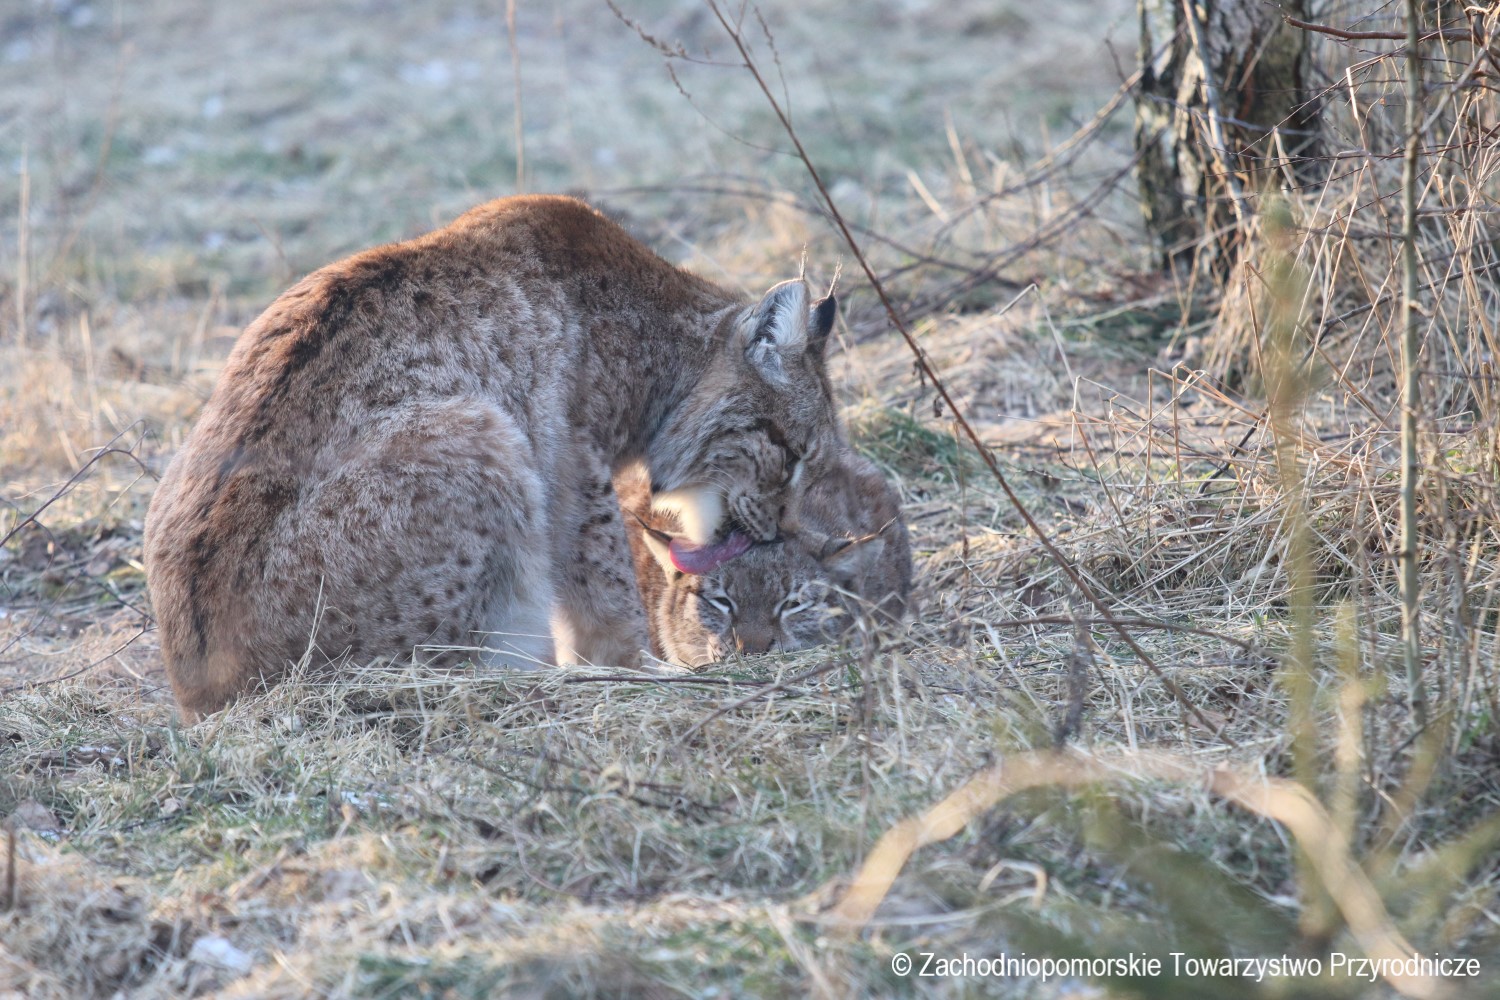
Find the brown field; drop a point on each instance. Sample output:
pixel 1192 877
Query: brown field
pixel 167 167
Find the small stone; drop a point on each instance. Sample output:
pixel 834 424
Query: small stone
pixel 219 953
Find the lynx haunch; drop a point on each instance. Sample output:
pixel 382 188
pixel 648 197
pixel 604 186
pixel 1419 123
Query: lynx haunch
pixel 413 447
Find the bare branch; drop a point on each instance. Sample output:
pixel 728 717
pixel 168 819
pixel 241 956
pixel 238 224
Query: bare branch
pixel 1447 34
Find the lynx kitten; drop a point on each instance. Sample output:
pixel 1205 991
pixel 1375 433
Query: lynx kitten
pixel 852 558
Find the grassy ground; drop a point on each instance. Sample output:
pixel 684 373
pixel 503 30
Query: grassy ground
pixel 585 832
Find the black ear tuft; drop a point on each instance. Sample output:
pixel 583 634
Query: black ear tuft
pixel 822 323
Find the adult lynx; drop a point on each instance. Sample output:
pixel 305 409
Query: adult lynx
pixel 413 447
pixel 853 559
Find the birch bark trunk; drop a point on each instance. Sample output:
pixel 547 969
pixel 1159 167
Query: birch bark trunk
pixel 1227 105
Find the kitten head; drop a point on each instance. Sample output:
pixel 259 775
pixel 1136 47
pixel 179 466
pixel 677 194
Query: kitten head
pixel 778 597
pixel 735 447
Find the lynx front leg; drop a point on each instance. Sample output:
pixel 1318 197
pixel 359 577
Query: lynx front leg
pixel 598 617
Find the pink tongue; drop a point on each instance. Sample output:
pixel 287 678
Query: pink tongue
pixel 700 559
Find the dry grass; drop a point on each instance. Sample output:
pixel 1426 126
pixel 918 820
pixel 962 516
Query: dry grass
pixel 589 833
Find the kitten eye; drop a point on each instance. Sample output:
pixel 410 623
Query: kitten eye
pixel 791 605
pixel 724 604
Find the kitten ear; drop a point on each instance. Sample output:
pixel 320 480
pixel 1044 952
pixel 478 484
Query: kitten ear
pixel 823 313
pixel 777 325
pixel 848 558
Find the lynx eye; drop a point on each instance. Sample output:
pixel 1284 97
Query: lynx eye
pixel 792 604
pixel 796 464
pixel 719 601
pixel 795 460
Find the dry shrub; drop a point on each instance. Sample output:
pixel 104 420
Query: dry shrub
pixel 1349 237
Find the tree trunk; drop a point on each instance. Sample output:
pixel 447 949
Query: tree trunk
pixel 1226 107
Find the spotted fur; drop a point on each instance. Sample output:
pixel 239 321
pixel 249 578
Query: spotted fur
pixel 413 448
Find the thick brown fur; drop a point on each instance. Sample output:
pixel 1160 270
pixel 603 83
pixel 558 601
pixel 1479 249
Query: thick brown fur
pixel 848 560
pixel 413 448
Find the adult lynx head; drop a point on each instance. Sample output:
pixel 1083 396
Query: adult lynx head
pixel 728 458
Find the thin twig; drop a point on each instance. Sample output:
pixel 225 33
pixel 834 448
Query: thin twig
pixel 77 477
pixel 1447 34
pixel 515 63
pixel 1148 623
pixel 35 685
pixel 764 692
pixel 647 679
pixel 676 798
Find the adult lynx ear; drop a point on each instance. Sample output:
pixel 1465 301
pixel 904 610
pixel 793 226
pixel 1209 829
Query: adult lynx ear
pixel 823 314
pixel 777 326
